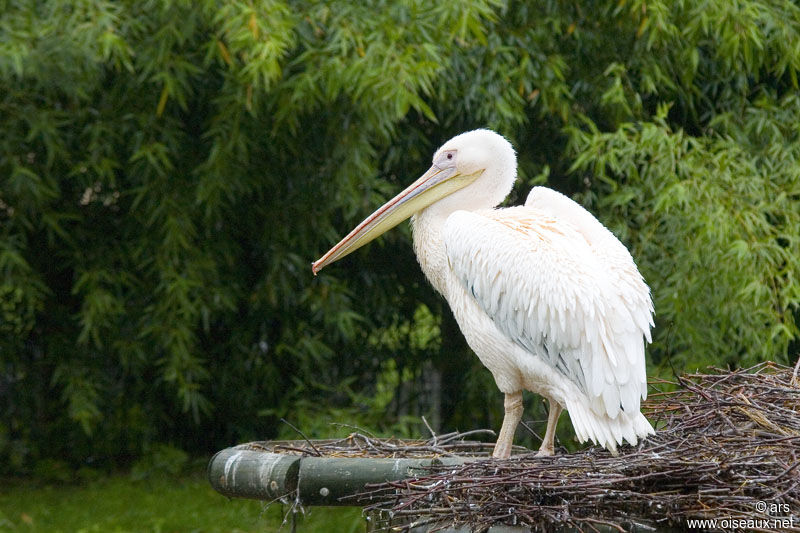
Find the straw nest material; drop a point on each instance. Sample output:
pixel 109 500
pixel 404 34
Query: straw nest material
pixel 726 448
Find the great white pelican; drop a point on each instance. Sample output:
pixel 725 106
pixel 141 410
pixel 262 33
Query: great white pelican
pixel 545 295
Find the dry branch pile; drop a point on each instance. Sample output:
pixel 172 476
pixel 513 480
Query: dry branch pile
pixel 727 447
pixel 360 445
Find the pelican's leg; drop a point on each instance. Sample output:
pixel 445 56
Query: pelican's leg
pixel 513 408
pixel 548 445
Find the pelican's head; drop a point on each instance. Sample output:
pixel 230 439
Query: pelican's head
pixel 473 170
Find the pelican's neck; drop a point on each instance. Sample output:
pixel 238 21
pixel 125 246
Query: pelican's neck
pixel 427 227
pixel 485 192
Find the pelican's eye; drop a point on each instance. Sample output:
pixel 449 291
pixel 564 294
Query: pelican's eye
pixel 446 159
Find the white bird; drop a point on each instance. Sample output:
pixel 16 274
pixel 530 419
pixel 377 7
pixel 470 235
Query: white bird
pixel 546 296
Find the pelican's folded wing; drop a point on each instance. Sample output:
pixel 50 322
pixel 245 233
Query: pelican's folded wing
pixel 609 251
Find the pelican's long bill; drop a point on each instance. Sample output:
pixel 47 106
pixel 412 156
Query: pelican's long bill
pixel 434 185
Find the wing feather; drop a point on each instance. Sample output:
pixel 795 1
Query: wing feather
pixel 547 285
pixel 617 261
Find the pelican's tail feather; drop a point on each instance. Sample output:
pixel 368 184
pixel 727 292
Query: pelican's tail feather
pixel 606 431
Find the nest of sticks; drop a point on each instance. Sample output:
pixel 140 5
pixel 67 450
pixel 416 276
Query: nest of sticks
pixel 726 448
pixel 358 444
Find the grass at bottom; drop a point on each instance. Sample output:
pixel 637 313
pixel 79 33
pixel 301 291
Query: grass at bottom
pixel 184 504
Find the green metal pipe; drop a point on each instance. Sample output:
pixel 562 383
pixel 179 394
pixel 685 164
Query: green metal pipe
pixel 335 480
pixel 240 472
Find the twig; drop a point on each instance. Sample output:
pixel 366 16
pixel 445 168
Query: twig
pixel 302 435
pixel 433 433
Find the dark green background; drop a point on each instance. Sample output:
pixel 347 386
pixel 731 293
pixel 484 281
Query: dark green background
pixel 169 170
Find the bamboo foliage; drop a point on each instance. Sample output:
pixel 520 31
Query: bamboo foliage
pixel 168 170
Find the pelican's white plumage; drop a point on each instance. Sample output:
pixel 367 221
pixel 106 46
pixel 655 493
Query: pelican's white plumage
pixel 545 295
